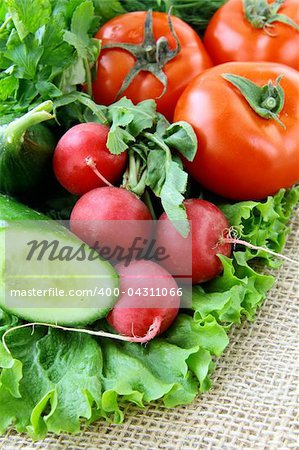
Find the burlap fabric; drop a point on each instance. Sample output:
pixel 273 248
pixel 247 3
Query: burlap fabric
pixel 253 402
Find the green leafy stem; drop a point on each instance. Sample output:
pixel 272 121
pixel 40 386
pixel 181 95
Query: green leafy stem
pixel 153 147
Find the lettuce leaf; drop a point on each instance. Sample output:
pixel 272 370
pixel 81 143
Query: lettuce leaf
pixel 263 223
pixel 54 380
pixel 7 321
pixel 60 381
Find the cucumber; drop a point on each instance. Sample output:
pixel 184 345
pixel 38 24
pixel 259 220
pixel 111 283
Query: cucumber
pixel 97 279
pixel 26 150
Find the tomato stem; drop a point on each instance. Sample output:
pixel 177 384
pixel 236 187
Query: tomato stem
pixel 261 14
pixel 151 55
pixel 267 101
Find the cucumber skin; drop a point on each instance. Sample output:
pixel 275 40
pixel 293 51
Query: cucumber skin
pixel 11 210
pixel 26 149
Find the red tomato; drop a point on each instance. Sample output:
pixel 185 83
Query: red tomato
pixel 114 64
pixel 230 36
pixel 242 155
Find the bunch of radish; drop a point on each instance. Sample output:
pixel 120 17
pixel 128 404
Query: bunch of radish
pixel 84 166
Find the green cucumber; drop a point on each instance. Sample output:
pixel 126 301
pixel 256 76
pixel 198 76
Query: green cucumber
pixel 26 150
pixel 18 225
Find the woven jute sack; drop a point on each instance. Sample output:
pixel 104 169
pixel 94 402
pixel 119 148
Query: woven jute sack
pixel 253 402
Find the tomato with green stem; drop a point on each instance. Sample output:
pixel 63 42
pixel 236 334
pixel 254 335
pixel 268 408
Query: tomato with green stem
pixel 250 30
pixel 147 55
pixel 246 119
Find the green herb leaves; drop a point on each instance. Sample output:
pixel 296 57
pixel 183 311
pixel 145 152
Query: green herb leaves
pixel 28 15
pixel 195 12
pixel 46 49
pixel 87 48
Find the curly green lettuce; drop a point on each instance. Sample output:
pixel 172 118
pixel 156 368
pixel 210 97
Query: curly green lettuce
pixel 54 380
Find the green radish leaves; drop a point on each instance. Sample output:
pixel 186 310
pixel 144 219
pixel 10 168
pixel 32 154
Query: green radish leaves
pixel 154 147
pixel 128 121
pixel 172 196
pixel 180 136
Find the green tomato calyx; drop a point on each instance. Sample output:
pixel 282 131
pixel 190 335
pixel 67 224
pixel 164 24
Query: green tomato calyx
pixel 151 55
pixel 262 15
pixel 267 101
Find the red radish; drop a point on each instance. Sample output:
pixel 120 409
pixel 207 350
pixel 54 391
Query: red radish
pixel 138 312
pixel 208 225
pixel 111 216
pixel 80 153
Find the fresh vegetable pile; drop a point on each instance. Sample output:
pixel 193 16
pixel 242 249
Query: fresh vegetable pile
pixel 121 120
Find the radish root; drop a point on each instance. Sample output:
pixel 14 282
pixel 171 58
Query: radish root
pixel 151 333
pixel 231 236
pixel 90 162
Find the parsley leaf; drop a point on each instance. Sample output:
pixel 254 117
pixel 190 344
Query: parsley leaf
pixel 28 15
pixel 7 86
pixel 46 50
pixel 25 55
